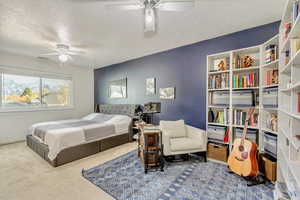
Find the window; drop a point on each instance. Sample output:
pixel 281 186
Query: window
pixel 30 92
pixel 56 92
pixel 20 91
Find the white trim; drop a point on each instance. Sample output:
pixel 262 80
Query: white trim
pixel 36 109
pixel 32 72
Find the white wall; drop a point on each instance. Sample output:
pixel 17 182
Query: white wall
pixel 14 125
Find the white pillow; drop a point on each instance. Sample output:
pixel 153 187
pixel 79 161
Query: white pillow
pixel 175 129
pixel 91 116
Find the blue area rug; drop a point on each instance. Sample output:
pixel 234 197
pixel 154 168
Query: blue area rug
pixel 124 179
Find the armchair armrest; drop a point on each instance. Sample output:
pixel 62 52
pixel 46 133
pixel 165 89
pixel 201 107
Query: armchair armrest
pixel 166 142
pixel 197 133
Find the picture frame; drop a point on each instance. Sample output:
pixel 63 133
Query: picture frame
pixel 167 93
pixel 117 89
pixel 150 86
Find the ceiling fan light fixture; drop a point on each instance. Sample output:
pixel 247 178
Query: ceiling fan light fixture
pixel 63 58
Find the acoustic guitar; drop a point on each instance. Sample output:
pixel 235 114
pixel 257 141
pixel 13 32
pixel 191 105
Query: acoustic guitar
pixel 242 159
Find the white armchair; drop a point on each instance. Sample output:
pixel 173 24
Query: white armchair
pixel 178 138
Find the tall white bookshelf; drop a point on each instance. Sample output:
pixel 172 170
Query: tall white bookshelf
pixel 259 66
pixel 289 113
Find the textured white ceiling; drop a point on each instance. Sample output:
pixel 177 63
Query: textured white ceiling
pixel 32 27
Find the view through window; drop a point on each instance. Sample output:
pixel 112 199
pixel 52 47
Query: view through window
pixel 22 91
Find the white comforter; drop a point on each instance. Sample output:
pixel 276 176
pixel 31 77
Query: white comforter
pixel 59 139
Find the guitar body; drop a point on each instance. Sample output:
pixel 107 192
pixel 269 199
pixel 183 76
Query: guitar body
pixel 242 159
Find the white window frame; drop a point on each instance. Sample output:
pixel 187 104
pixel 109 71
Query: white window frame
pixel 40 74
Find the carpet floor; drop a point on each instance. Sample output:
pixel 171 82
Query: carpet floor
pixel 124 179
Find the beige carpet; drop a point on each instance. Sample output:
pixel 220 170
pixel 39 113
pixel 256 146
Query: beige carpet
pixel 25 176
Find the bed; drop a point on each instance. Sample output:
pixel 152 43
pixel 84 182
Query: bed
pixel 61 142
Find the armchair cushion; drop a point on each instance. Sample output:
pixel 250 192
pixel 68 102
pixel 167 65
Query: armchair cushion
pixel 175 129
pixel 184 144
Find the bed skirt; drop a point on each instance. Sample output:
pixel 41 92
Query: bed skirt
pixel 77 152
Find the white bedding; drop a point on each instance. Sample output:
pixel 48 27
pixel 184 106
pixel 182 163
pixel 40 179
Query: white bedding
pixel 59 139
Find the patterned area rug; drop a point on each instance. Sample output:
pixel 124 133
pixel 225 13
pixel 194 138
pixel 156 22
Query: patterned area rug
pixel 124 179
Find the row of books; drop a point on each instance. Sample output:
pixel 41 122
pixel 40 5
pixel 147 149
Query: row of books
pixel 271 53
pixel 239 117
pixel 219 116
pixel 245 80
pixel 271 77
pixel 218 81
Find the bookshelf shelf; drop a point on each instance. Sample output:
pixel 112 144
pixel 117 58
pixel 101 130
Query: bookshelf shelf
pixel 242 126
pixel 248 88
pixel 216 124
pixel 221 89
pixel 271 64
pixel 270 86
pixel 246 69
pixel 222 107
pixel 218 72
pixel 269 130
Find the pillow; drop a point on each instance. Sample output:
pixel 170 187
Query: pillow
pixel 92 116
pixel 175 129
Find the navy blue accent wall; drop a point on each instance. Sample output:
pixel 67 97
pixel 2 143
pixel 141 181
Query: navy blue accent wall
pixel 183 68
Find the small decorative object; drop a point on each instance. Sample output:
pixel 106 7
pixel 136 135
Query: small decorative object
pixel 247 61
pixel 118 89
pixel 274 123
pixel 152 107
pixel 167 93
pixel 287 57
pixel 275 77
pixel 150 86
pixel 220 64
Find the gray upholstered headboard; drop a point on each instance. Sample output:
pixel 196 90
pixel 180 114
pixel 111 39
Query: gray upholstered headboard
pixel 122 109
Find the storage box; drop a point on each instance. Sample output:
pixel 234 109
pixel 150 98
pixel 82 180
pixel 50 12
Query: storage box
pixel 242 98
pixel 217 152
pixel 251 134
pixel 268 166
pixel 220 98
pixel 270 98
pixel 270 144
pixel 216 132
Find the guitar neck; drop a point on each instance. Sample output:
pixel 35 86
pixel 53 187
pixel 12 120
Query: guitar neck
pixel 250 112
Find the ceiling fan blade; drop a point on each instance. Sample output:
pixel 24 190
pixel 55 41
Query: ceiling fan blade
pixel 73 52
pixel 124 6
pixel 49 54
pixel 176 6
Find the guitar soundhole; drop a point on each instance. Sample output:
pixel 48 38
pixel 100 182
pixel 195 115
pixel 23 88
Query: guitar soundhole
pixel 241 148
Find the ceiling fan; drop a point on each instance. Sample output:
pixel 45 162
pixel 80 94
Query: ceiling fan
pixel 62 52
pixel 150 8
